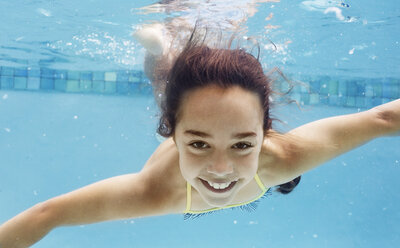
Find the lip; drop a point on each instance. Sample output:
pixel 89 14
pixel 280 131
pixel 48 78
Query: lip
pixel 205 183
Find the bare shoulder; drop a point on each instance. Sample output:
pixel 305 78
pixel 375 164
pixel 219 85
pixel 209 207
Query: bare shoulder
pixel 164 182
pixel 277 153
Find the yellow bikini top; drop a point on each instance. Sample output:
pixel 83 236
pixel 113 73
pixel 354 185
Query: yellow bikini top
pixel 189 199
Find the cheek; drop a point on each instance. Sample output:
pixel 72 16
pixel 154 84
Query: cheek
pixel 248 164
pixel 189 164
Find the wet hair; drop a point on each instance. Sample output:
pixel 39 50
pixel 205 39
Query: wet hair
pixel 199 65
pixel 286 188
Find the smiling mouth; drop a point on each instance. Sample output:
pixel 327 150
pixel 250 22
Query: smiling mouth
pixel 218 187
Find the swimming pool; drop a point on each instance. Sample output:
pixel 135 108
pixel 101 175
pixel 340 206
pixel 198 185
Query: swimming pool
pixel 67 121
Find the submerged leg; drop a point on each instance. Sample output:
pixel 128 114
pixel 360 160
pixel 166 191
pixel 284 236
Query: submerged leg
pixel 158 58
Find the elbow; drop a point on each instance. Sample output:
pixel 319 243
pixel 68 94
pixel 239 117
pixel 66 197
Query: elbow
pixel 388 121
pixel 45 216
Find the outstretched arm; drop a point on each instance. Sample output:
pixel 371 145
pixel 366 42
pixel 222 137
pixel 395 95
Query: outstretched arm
pixel 153 191
pixel 314 143
pixel 127 196
pixel 109 199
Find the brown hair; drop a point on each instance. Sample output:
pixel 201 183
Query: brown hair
pixel 198 66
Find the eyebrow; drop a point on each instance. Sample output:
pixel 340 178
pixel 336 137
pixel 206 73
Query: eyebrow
pixel 244 135
pixel 206 135
pixel 197 133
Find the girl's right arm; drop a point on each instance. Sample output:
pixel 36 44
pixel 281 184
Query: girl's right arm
pixel 114 198
pixel 128 196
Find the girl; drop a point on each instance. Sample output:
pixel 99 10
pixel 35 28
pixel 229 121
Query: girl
pixel 220 149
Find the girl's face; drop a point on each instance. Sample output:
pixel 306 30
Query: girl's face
pixel 219 137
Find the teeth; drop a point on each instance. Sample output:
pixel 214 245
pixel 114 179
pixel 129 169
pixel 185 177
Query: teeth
pixel 219 185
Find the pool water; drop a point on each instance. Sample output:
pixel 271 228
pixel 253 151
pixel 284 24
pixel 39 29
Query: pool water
pixel 97 34
pixel 53 143
pixel 75 108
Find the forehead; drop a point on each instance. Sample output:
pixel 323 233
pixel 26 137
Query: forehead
pixel 213 106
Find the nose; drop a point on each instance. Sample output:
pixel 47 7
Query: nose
pixel 220 166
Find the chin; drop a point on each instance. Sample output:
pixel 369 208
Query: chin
pixel 218 202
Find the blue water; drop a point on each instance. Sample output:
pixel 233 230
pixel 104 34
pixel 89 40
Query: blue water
pixel 97 35
pixel 52 142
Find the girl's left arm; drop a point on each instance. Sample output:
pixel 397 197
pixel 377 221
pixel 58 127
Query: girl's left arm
pixel 314 143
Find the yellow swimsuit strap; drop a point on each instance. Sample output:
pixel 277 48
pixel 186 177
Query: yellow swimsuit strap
pixel 189 198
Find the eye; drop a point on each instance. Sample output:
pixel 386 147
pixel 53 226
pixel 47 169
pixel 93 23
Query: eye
pixel 242 145
pixel 199 145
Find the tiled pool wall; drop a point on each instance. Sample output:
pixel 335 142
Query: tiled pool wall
pixel 102 82
pixel 345 92
pixel 354 92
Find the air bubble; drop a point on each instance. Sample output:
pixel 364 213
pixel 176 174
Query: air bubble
pixel 44 12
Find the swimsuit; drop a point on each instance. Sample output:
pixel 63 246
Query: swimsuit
pixel 249 205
